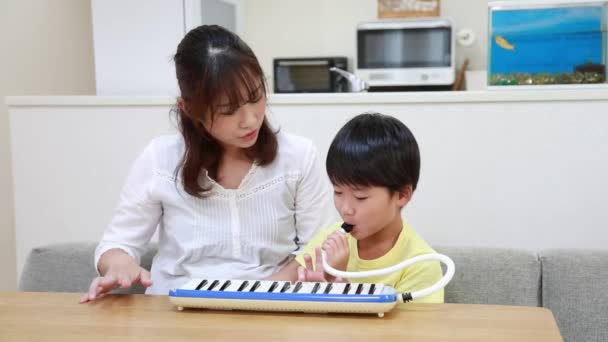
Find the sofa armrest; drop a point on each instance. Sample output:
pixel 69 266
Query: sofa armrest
pixel 575 288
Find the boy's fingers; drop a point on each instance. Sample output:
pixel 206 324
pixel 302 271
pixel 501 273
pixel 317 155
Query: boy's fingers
pixel 342 241
pixel 319 259
pixel 301 274
pixel 326 246
pixel 308 262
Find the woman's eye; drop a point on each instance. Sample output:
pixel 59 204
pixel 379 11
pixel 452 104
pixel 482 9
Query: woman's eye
pixel 226 110
pixel 256 99
pixel 360 198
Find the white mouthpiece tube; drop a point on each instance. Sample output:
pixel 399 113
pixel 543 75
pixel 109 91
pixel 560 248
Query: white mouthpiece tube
pixel 451 268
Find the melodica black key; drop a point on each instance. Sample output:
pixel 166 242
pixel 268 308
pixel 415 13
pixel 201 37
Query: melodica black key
pixel 359 288
pixel 201 284
pixel 255 286
pixel 225 285
pixel 213 284
pixel 328 288
pixel 243 286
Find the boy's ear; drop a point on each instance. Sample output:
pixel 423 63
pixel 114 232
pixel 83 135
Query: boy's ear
pixel 404 196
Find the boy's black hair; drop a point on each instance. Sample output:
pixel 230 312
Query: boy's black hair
pixel 373 149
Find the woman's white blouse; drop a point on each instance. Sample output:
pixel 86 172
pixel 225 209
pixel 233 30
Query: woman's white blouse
pixel 244 233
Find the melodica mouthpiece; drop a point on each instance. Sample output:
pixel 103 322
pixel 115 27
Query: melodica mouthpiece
pixel 347 227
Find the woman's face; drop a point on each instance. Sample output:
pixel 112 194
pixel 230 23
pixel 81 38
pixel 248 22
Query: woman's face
pixel 238 129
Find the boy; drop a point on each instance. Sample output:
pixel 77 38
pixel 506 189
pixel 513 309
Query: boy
pixel 374 166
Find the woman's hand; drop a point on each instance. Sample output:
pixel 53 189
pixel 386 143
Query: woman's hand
pixel 119 270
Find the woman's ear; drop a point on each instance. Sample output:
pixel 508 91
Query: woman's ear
pixel 181 104
pixel 404 196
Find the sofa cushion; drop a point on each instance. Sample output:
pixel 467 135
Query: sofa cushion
pixel 574 287
pixel 493 276
pixel 67 267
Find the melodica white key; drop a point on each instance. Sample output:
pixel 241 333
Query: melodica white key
pixel 265 295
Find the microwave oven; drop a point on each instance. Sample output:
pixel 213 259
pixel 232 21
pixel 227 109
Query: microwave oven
pixel 407 53
pixel 309 75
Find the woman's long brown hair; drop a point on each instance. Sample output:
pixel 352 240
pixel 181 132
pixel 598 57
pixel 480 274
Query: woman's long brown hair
pixel 212 64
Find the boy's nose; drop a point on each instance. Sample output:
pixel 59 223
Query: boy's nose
pixel 346 209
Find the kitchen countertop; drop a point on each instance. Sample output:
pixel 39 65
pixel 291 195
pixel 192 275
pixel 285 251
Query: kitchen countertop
pixel 501 95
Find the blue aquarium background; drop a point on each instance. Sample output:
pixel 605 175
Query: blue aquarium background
pixel 548 41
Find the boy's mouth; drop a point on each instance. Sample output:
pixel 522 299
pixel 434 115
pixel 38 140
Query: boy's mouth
pixel 347 227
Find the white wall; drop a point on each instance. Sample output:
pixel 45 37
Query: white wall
pixel 46 49
pixel 134 42
pixel 69 165
pixel 512 169
pixel 293 28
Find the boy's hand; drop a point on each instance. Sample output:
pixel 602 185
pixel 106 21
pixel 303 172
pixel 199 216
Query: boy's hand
pixel 315 273
pixel 337 250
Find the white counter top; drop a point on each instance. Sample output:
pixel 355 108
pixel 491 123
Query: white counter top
pixel 515 95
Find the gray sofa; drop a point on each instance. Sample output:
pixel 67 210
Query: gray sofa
pixel 571 283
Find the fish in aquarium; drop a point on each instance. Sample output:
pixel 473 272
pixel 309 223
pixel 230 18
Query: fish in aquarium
pixel 503 43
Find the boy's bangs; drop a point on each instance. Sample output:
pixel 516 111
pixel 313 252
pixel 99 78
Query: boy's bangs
pixel 352 165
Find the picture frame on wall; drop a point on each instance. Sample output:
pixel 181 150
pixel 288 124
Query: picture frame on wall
pixel 393 9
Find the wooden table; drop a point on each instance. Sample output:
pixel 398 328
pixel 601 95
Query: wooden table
pixel 28 316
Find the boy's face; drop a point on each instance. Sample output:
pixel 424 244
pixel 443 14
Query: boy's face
pixel 369 209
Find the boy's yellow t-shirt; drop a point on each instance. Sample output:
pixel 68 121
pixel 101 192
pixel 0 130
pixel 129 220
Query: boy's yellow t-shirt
pixel 408 245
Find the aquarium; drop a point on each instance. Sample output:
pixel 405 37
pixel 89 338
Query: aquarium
pixel 535 43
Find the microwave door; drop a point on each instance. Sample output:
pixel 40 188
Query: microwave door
pixel 405 48
pixel 302 77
